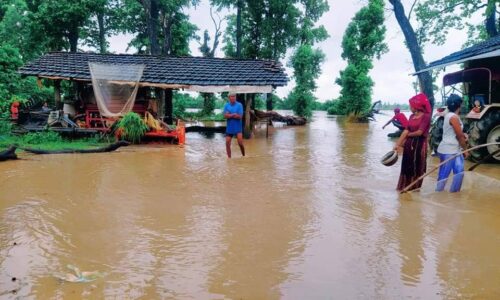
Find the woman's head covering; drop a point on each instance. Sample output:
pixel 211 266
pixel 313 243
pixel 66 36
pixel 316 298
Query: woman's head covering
pixel 453 102
pixel 397 110
pixel 420 102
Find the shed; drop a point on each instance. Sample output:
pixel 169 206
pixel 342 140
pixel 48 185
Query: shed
pixel 199 74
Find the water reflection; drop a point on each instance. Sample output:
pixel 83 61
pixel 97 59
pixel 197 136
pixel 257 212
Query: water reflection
pixel 309 213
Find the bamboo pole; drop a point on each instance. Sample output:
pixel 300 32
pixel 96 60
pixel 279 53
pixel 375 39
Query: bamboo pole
pixel 436 167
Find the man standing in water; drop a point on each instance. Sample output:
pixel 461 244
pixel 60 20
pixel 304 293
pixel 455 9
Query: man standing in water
pixel 233 112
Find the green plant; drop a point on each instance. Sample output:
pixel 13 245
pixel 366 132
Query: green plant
pixel 5 127
pixel 43 137
pixel 132 127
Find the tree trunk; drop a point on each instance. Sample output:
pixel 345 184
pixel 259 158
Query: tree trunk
pixel 238 28
pixel 167 31
pixel 169 109
pixel 73 38
pixel 425 78
pixel 102 37
pixel 151 7
pixel 491 26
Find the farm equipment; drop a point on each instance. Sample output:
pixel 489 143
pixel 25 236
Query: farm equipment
pixel 480 90
pixel 479 85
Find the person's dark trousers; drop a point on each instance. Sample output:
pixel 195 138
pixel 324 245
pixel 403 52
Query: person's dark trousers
pixel 398 125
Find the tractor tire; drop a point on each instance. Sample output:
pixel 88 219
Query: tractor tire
pixel 436 134
pixel 486 130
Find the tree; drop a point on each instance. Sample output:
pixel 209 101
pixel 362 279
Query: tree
pixel 62 20
pixel 207 51
pixel 261 28
pixel 437 17
pixel 17 18
pixel 105 21
pixel 236 24
pixel 153 21
pixel 363 40
pixel 306 60
pixel 425 78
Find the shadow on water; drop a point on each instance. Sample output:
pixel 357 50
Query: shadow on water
pixel 309 213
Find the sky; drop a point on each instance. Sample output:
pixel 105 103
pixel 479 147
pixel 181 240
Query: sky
pixel 391 74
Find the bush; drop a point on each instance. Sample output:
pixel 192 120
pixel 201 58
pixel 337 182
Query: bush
pixel 132 127
pixel 335 108
pixel 5 127
pixel 44 137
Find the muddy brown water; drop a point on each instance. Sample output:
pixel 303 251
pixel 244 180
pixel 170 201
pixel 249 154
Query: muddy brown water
pixel 309 214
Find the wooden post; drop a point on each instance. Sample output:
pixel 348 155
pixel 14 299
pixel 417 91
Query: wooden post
pixel 160 100
pixel 247 125
pixel 269 102
pixel 57 93
pixel 169 108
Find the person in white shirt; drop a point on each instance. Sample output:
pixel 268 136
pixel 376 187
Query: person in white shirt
pixel 454 141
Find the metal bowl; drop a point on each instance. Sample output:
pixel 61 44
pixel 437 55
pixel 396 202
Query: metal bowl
pixel 390 158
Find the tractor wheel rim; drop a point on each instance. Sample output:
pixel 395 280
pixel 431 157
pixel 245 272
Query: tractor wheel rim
pixel 494 137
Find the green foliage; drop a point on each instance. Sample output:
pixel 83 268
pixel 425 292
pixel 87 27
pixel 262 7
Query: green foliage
pixel 49 140
pixel 208 103
pixel 279 103
pixel 10 61
pixel 306 61
pixel 133 127
pixel 38 138
pixel 106 19
pixel 362 41
pixel 301 102
pixel 335 109
pixel 316 105
pixel 436 18
pixel 269 27
pixel 174 31
pixel 5 127
pixel 61 21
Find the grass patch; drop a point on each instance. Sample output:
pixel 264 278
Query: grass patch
pixel 50 141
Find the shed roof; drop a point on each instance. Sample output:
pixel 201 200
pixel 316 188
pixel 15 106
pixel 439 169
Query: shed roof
pixel 488 48
pixel 164 71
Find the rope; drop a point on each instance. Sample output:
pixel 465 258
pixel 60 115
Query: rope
pixel 447 160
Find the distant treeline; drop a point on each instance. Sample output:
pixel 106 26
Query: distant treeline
pixel 183 101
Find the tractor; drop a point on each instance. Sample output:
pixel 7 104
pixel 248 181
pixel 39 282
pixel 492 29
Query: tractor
pixel 479 85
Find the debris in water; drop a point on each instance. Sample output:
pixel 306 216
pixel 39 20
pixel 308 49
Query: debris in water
pixel 78 276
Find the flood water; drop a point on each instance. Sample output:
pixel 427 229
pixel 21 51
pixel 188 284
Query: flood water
pixel 310 213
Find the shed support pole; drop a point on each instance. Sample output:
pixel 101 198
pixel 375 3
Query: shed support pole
pixel 247 119
pixel 169 108
pixel 57 93
pixel 269 102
